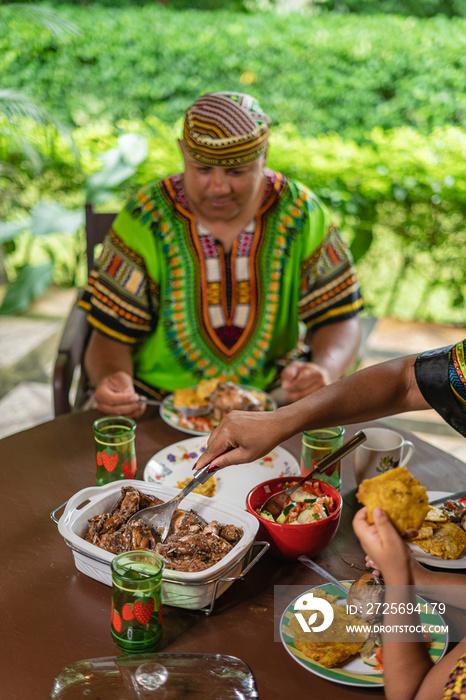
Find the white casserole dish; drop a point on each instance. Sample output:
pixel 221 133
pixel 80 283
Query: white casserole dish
pixel 191 590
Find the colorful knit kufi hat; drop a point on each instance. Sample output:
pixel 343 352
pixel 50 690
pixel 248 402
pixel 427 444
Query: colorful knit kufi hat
pixel 226 129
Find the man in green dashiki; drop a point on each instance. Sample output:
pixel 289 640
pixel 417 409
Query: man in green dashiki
pixel 212 272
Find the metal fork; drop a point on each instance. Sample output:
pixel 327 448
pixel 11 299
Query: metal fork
pixel 159 518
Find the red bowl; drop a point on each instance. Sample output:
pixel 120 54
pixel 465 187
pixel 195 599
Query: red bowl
pixel 290 541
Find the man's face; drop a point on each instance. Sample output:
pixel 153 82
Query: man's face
pixel 221 193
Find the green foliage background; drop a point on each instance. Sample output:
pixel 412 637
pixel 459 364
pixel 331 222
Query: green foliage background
pixel 344 73
pixel 369 110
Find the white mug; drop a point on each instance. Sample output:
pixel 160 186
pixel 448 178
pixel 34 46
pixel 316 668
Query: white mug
pixel 384 449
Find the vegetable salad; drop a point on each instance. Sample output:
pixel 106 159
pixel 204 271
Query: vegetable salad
pixel 308 505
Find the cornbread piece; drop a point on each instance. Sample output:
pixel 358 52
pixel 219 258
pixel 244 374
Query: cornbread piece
pixel 399 494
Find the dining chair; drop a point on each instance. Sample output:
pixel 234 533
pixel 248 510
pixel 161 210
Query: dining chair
pixel 70 382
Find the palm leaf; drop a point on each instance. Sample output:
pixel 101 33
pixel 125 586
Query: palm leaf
pixel 17 104
pixel 46 17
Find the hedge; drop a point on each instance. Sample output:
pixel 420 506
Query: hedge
pixel 347 74
pixel 415 8
pixel 400 199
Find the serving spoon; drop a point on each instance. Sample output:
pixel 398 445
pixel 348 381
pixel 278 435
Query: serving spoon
pixel 274 504
pixel 159 517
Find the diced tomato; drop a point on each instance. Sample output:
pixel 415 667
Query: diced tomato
pixel 378 654
pixel 309 487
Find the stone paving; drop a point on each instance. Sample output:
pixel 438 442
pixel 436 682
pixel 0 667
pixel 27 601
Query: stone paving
pixel 28 346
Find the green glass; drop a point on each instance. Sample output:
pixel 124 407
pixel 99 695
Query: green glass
pixel 136 622
pixel 115 449
pixel 318 444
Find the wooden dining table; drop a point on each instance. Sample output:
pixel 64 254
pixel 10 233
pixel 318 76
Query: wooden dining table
pixel 53 615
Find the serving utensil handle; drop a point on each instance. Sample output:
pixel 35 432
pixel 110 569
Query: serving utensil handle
pixel 325 574
pixel 330 459
pixel 201 477
pixel 339 453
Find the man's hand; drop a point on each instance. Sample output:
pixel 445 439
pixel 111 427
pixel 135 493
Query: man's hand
pixel 385 548
pixel 115 395
pixel 302 378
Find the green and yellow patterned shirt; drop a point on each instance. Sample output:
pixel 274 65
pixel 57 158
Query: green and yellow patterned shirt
pixel 165 285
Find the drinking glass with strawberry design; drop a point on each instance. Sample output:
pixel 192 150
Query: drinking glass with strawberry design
pixel 136 612
pixel 115 449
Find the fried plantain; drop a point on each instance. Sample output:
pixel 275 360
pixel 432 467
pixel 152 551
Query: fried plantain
pixel 399 494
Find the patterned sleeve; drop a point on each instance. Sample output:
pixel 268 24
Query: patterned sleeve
pixel 329 285
pixel 441 378
pixel 120 298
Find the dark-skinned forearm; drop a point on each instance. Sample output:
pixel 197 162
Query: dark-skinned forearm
pixel 372 393
pixel 105 356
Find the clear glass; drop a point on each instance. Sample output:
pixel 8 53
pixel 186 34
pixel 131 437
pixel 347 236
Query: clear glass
pixel 136 620
pixel 317 444
pixel 115 449
pixel 156 677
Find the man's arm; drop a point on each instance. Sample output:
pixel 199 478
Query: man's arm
pixel 334 348
pixel 109 366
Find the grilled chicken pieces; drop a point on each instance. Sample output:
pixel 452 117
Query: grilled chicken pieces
pixel 192 543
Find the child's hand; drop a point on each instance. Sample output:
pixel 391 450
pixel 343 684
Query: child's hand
pixel 384 547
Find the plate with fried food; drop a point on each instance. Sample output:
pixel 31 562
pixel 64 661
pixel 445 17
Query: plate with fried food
pixel 441 539
pixel 197 410
pixel 339 656
pixel 173 466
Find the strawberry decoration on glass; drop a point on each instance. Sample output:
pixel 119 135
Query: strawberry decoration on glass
pixel 136 610
pixel 115 450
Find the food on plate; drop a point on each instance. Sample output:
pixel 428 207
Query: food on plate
pixel 455 512
pixel 365 595
pixel 220 397
pixel 436 515
pixel 199 423
pixel 307 505
pixel 188 398
pixel 441 539
pixel 206 387
pixel 399 494
pixel 208 489
pixel 331 653
pixel 192 543
pixel 228 397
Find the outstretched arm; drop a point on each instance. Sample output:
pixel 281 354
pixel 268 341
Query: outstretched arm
pixel 374 392
pixel 109 366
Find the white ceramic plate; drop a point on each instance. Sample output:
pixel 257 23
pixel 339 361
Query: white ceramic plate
pixel 355 672
pixel 175 463
pixel 429 559
pixel 171 416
